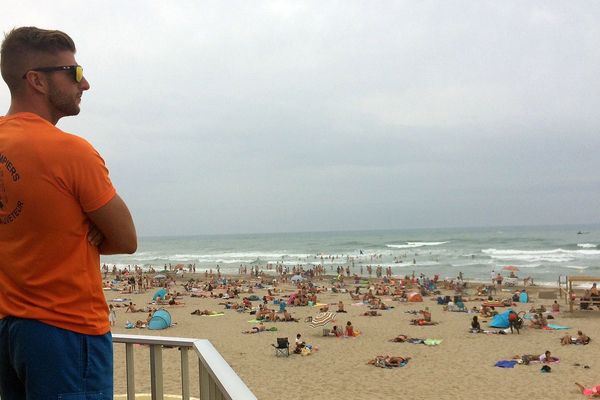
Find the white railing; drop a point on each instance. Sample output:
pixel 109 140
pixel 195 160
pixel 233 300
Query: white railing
pixel 217 380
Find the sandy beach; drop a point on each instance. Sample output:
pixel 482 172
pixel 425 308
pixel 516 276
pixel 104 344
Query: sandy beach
pixel 462 366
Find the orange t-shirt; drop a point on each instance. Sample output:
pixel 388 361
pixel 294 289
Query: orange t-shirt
pixel 49 271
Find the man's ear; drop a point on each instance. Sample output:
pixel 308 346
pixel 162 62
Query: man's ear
pixel 37 81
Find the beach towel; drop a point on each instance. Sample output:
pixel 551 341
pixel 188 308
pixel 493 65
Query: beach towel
pixel 215 315
pixel 506 364
pixel 493 304
pixel 432 342
pixel 255 321
pixel 555 327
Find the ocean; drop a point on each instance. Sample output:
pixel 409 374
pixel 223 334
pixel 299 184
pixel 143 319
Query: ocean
pixel 543 253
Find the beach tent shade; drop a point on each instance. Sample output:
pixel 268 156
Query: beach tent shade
pixel 322 319
pixel 297 278
pixel 414 297
pixel 524 297
pixel 511 268
pixel 161 319
pixel 162 292
pixel 500 320
pixel 160 276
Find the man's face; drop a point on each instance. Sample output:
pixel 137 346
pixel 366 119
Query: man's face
pixel 64 94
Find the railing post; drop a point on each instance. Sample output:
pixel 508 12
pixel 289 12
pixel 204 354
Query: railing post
pixel 156 372
pixel 185 376
pixel 129 365
pixel 213 389
pixel 204 381
pixel 216 379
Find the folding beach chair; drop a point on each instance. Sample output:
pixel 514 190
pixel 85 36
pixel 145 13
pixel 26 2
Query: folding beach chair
pixel 282 348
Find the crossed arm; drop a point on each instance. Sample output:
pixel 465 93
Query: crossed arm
pixel 112 229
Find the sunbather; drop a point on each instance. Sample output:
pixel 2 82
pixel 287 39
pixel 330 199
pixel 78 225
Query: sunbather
pixel 581 338
pixel 140 324
pixel 256 329
pixel 203 312
pixel 475 326
pixel 400 339
pixel 405 338
pixel 593 391
pixel 371 313
pixel 287 317
pixel 422 322
pixel 547 357
pixel 538 321
pixel 349 329
pixel 388 361
pixel 487 311
pixel 132 308
pixel 341 307
pixel 336 331
pixel 426 314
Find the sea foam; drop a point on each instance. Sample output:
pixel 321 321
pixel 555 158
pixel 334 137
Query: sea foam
pixel 412 245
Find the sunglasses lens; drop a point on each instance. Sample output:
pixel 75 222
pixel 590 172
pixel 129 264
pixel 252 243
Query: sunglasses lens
pixel 78 73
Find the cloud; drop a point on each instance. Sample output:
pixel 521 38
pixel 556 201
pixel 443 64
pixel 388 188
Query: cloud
pixel 283 116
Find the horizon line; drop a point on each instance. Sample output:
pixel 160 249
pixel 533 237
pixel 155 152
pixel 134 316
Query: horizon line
pixel 370 230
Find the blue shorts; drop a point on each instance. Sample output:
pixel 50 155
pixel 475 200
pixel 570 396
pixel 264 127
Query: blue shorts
pixel 40 361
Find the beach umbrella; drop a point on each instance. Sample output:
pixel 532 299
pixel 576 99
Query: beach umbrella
pixel 297 278
pixel 510 268
pixel 322 319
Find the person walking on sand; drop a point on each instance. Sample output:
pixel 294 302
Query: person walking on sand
pixel 112 315
pixel 513 321
pixel 62 212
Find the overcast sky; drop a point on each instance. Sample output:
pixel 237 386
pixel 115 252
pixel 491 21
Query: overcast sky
pixel 268 116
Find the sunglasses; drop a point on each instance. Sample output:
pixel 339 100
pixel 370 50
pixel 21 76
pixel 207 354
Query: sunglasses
pixel 76 70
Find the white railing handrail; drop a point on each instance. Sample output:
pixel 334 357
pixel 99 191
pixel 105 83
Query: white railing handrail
pixel 216 377
pixel 162 340
pixel 223 375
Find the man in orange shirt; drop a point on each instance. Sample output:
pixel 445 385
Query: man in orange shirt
pixel 58 212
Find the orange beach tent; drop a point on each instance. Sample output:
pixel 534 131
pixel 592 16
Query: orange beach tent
pixel 415 297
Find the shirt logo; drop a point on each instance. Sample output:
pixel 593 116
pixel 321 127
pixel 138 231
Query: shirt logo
pixel 8 176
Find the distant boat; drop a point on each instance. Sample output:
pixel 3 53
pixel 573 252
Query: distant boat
pixel 582 233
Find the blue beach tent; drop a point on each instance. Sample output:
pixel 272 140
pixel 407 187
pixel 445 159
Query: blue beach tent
pixel 161 319
pixel 524 297
pixel 162 292
pixel 500 320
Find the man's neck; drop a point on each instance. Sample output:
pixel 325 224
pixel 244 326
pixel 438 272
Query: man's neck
pixel 42 112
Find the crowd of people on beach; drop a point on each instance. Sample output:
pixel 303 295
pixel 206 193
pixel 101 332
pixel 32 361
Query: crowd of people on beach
pixel 274 306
